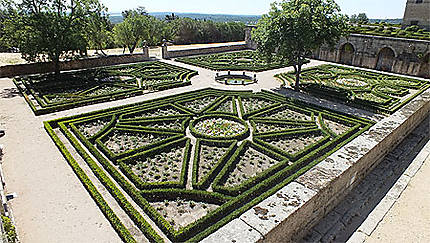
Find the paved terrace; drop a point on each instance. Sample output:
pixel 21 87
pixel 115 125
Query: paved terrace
pixel 52 205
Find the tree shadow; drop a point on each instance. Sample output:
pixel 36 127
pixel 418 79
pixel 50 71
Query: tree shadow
pixel 10 93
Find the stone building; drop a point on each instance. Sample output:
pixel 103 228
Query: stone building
pixel 397 55
pixel 417 12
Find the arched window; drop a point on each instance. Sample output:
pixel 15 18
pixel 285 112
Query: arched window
pixel 347 52
pixel 386 58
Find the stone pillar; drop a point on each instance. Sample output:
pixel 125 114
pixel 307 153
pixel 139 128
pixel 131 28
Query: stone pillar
pixel 164 51
pixel 145 50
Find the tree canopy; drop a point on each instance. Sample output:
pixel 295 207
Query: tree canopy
pixel 48 30
pixel 138 26
pixel 292 30
pixel 360 18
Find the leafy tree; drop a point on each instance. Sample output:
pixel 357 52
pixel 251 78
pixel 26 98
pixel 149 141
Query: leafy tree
pixel 353 19
pixel 98 32
pixel 362 18
pixel 292 30
pixel 138 26
pixel 49 30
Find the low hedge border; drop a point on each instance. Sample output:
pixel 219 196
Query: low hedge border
pixel 116 156
pixel 233 207
pixel 246 114
pixel 181 104
pixel 376 82
pixel 300 126
pixel 143 124
pixel 119 227
pixel 298 155
pixel 240 136
pixel 213 109
pixel 111 124
pixel 183 142
pixel 204 183
pixel 263 190
pixel 47 107
pixel 218 185
pixel 126 116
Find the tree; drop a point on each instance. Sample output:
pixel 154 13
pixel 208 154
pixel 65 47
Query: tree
pixel 362 18
pixel 353 19
pixel 137 27
pixel 292 30
pixel 49 30
pixel 98 32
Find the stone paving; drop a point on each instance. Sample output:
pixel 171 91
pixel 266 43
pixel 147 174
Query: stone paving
pixel 38 217
pixel 357 216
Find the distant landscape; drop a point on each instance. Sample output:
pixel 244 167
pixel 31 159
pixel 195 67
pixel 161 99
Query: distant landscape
pixel 247 19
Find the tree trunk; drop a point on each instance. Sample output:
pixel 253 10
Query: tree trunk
pixel 57 66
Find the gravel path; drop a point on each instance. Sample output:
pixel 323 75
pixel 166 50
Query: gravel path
pixel 52 205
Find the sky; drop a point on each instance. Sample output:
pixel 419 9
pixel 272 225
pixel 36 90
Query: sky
pixel 373 8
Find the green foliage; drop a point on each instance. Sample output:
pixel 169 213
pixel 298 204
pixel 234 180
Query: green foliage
pixel 136 28
pixel 73 89
pixel 250 191
pixel 412 32
pixel 294 29
pixel 236 61
pixel 190 31
pixel 374 91
pixel 9 228
pixel 51 30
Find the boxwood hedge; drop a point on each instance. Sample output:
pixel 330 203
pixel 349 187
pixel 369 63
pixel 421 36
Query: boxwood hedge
pixel 124 185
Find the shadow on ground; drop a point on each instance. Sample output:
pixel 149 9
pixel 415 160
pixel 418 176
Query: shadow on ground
pixel 10 93
pixel 288 92
pixel 347 217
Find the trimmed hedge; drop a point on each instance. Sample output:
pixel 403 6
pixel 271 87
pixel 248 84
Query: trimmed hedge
pixel 374 91
pixel 235 61
pixel 75 89
pixel 118 178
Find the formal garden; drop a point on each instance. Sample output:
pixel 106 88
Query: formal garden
pixel 195 161
pixel 47 93
pixel 364 89
pixel 247 60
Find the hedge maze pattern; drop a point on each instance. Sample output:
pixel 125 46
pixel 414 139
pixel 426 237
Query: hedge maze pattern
pixel 195 161
pixel 234 61
pixel 49 93
pixel 371 90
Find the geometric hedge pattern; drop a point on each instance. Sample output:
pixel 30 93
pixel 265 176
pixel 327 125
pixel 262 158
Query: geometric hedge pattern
pixel 374 91
pixel 195 161
pixel 49 93
pixel 235 61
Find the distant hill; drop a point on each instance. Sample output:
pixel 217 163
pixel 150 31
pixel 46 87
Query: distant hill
pixel 247 19
pixel 389 21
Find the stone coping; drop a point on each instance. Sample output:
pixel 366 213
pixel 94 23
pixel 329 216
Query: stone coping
pixel 292 211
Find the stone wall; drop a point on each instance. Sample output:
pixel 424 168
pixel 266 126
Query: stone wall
pixel 34 68
pixel 166 54
pixel 417 13
pixel 397 55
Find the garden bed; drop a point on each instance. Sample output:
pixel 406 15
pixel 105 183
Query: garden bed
pixel 48 93
pixel 364 89
pixel 241 147
pixel 235 61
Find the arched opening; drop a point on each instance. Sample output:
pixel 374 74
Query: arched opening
pixel 347 54
pixel 386 58
pixel 425 67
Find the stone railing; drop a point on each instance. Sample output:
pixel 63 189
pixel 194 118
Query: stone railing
pixel 93 62
pixel 166 54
